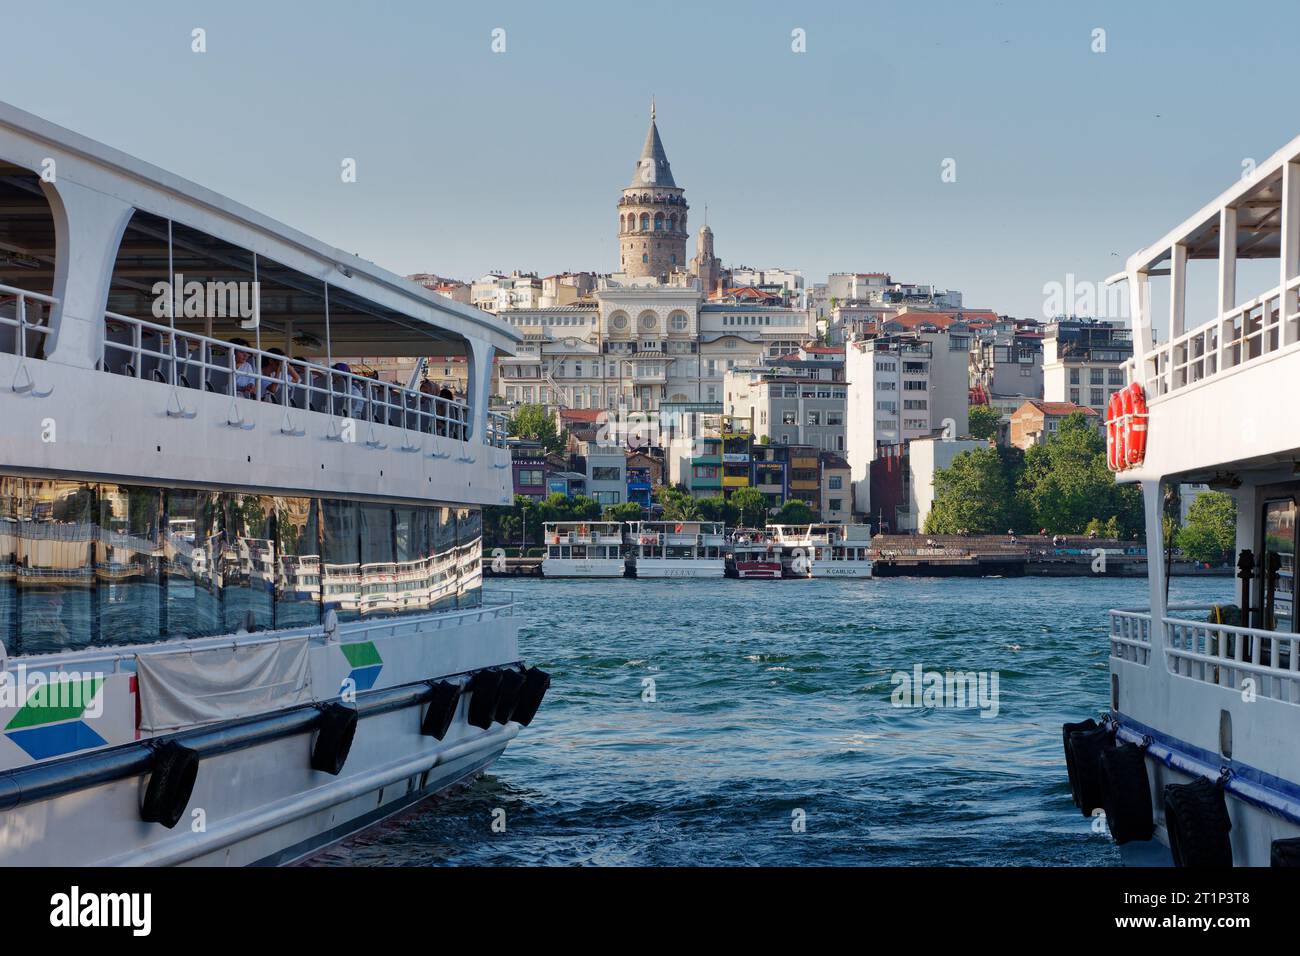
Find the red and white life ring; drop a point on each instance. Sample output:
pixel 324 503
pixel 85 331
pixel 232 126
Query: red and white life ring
pixel 1126 428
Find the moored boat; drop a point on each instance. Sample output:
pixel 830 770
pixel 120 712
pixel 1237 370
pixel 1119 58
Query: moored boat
pixel 583 549
pixel 752 555
pixel 241 613
pixel 676 549
pixel 1193 762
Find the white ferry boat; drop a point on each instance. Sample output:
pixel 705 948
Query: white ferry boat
pixel 825 550
pixel 583 549
pixel 676 549
pixel 1195 762
pixel 753 555
pixel 241 613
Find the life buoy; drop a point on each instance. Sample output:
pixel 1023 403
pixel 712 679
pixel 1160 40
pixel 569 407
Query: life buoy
pixel 1113 424
pixel 171 782
pixel 1135 424
pixel 1126 428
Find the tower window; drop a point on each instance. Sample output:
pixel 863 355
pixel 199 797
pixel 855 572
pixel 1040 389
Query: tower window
pixel 644 257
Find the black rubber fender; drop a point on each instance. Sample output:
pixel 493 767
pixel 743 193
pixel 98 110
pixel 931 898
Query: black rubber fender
pixel 1285 853
pixel 337 728
pixel 1086 747
pixel 1126 793
pixel 512 682
pixel 171 783
pixel 483 689
pixel 441 710
pixel 1066 730
pixel 1196 818
pixel 536 683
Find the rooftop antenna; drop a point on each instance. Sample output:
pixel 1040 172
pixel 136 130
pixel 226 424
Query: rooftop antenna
pixel 652 108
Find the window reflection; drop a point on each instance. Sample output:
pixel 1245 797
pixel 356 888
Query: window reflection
pixel 469 538
pixel 85 564
pixel 340 559
pixel 128 571
pixel 297 573
pixel 191 548
pixel 57 531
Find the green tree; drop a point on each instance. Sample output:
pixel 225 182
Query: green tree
pixel 794 512
pixel 718 508
pixel 677 503
pixel 532 423
pixel 983 421
pixel 1210 534
pixel 1065 483
pixel 627 511
pixel 972 495
pixel 751 507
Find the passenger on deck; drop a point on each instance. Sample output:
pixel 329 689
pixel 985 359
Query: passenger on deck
pixel 273 374
pixel 245 374
pixel 447 410
pixel 345 385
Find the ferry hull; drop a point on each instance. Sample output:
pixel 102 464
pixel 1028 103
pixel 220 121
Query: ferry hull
pixel 670 568
pixel 595 568
pixel 257 799
pixel 841 569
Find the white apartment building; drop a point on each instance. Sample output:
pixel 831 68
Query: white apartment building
pixel 788 407
pixel 1083 361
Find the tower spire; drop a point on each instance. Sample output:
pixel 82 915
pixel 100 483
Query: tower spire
pixel 652 108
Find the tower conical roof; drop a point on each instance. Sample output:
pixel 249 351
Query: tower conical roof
pixel 652 168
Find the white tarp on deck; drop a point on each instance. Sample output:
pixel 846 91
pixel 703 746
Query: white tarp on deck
pixel 187 688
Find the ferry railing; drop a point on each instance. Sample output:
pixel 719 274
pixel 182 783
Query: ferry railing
pixel 1226 655
pixel 1245 333
pixel 24 322
pixel 1130 636
pixel 151 351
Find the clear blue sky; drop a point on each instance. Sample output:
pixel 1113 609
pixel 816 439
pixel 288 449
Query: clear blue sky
pixel 823 161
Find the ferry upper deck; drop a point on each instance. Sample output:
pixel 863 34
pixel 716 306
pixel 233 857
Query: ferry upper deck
pixel 152 329
pixel 1223 352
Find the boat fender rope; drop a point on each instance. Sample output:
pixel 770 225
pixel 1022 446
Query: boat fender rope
pixel 536 683
pixel 171 783
pixel 483 688
pixel 336 729
pixel 444 697
pixel 1196 818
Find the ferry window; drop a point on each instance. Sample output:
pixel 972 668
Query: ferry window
pixel 1279 539
pixel 192 594
pixel 246 563
pixel 412 547
pixel 469 537
pixel 297 562
pixel 340 559
pixel 444 547
pixel 128 571
pixel 57 532
pixel 378 569
pixel 10 499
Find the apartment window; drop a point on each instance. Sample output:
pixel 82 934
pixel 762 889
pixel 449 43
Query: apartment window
pixel 789 418
pixel 885 387
pixel 1115 376
pixel 1095 377
pixel 1074 396
pixel 1074 376
pixel 603 473
pixel 916 404
pixel 835 504
pixel 607 497
pixel 1096 396
pixel 914 386
pixel 530 476
pixel 835 482
pixel 834 418
pixel 814 418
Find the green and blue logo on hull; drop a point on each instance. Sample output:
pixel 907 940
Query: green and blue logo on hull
pixel 52 720
pixel 366 664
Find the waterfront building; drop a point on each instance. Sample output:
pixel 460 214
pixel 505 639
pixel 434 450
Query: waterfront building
pixel 1006 368
pixel 1037 420
pixel 836 488
pixel 605 467
pixel 529 469
pixel 787 406
pixel 1083 361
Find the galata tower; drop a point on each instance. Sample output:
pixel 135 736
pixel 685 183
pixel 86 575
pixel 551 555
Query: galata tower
pixel 652 214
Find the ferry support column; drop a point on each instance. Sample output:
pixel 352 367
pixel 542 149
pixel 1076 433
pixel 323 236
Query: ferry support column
pixel 1227 278
pixel 1153 506
pixel 480 387
pixel 1290 251
pixel 88 228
